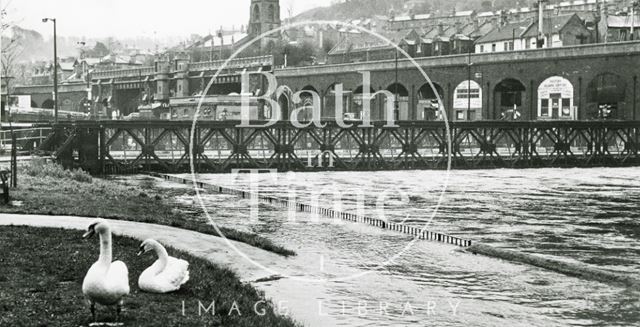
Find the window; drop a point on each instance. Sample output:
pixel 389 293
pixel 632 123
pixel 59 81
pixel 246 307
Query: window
pixel 481 48
pixel 460 115
pixel 527 45
pixel 544 108
pixel 566 107
pixel 511 46
pixel 256 12
pixel 465 94
pixel 272 13
pixel 505 46
pixel 493 47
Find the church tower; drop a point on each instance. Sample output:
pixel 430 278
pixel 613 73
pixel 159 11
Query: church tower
pixel 265 16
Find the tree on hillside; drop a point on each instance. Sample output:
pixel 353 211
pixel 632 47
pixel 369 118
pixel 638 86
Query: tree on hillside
pixel 299 54
pixel 99 50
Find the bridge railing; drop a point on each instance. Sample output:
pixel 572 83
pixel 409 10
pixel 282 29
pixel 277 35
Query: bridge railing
pixel 26 138
pixel 119 73
pixel 166 146
pixel 237 63
pixel 232 64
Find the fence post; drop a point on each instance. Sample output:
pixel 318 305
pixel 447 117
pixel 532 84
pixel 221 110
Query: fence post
pixel 14 161
pixel 103 148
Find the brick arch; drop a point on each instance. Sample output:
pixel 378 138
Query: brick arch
pixel 402 90
pixel 427 103
pixel 48 104
pixel 507 93
pixel 284 102
pixel 606 92
pixel 543 108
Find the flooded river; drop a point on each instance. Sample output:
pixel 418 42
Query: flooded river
pixel 341 275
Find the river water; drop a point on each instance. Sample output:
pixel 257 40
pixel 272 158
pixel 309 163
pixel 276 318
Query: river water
pixel 341 275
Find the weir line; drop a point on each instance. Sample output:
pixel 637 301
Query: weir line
pixel 330 213
pixel 579 270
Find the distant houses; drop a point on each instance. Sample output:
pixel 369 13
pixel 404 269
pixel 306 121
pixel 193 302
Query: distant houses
pixel 558 31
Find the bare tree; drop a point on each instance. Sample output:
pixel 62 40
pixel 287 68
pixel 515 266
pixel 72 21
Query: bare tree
pixel 11 48
pixel 11 51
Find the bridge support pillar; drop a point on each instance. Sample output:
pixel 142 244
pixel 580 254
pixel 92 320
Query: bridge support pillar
pixel 88 150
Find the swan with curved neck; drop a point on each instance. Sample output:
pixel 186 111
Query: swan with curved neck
pixel 106 282
pixel 166 274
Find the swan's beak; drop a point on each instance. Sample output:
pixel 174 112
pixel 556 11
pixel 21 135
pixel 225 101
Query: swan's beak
pixel 141 252
pixel 88 234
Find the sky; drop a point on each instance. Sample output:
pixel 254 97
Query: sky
pixel 130 18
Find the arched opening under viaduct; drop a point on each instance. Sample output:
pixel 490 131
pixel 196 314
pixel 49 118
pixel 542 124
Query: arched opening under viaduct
pixel 329 101
pixel 283 103
pixel 467 101
pixel 427 107
pixel 48 104
pixel 358 105
pixel 606 97
pixel 508 99
pixel 555 99
pixel 401 111
pixel 306 101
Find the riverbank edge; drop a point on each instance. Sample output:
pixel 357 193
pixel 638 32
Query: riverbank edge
pixel 48 189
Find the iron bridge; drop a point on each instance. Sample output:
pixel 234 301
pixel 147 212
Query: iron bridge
pixel 120 147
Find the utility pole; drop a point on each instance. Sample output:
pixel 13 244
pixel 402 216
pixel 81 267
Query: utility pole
pixel 540 43
pixel 55 69
pixel 220 34
pixel 634 5
pixel 469 87
pixel 396 105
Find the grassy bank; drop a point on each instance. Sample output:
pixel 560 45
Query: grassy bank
pixel 45 188
pixel 41 285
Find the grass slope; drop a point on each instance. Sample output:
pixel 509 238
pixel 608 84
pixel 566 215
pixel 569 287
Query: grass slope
pixel 41 273
pixel 48 189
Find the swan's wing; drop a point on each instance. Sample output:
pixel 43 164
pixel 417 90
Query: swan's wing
pixel 118 278
pixel 174 274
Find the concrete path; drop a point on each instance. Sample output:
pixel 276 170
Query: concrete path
pixel 211 248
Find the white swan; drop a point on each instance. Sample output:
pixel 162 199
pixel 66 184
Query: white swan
pixel 106 282
pixel 165 275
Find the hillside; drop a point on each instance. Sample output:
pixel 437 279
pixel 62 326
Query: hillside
pixel 354 9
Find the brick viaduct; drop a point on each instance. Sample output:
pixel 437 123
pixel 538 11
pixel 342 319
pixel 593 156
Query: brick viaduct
pixel 599 74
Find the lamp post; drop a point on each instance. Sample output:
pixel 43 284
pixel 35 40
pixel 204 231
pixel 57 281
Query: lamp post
pixel 634 5
pixel 396 103
pixel 55 69
pixel 469 86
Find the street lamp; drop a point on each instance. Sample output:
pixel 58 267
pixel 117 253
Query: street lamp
pixel 55 69
pixel 634 5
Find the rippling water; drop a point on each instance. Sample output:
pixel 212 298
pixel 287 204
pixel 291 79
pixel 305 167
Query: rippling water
pixel 586 215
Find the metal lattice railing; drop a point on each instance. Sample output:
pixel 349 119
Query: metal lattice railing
pixel 163 146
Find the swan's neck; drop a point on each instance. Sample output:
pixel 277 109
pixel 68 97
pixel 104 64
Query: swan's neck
pixel 105 248
pixel 163 256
